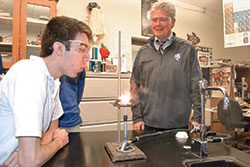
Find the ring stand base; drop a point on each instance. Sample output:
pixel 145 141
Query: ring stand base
pixel 116 155
pixel 125 148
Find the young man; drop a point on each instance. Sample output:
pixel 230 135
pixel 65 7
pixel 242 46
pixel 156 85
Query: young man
pixel 165 76
pixel 29 100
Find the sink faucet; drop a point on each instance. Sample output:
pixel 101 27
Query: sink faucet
pixel 200 145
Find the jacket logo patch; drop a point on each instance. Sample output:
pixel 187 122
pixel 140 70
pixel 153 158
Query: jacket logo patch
pixel 177 57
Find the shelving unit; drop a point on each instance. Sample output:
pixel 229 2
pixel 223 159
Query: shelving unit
pixel 8 27
pixel 25 24
pixel 32 26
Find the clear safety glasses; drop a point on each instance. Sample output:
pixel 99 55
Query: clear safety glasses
pixel 80 47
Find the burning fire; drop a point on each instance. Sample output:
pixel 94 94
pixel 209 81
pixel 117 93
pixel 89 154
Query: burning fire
pixel 125 98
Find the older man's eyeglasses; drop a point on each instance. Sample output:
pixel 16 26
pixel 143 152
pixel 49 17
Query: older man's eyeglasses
pixel 161 19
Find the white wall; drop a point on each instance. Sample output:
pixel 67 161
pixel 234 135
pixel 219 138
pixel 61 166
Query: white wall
pixel 125 16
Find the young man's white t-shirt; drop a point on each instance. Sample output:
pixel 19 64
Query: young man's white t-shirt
pixel 29 101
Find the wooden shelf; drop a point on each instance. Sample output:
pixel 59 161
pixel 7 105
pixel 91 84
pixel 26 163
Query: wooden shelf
pixel 36 22
pixel 5 43
pixel 6 19
pixel 34 46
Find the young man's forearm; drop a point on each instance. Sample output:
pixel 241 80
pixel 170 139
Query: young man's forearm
pixel 32 153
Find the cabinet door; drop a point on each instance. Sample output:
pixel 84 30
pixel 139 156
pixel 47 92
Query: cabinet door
pixel 104 87
pixel 9 30
pixel 34 17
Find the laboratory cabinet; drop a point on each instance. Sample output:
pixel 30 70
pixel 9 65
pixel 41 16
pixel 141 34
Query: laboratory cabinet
pixel 97 110
pixel 21 25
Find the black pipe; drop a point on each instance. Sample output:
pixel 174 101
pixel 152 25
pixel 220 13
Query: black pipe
pixel 136 138
pixel 224 137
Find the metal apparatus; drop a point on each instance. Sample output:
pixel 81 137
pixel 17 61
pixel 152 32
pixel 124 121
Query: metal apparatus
pixel 199 146
pixel 126 150
pixel 125 146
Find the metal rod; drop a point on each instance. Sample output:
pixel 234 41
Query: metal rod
pixel 203 85
pixel 125 117
pixel 119 86
pixel 119 64
pixel 119 124
pixel 202 144
pixel 203 133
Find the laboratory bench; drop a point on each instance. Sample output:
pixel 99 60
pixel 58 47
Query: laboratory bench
pixel 86 149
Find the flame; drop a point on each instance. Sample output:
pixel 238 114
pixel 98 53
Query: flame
pixel 125 98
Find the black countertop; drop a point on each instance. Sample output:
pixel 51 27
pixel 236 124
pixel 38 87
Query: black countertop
pixel 86 149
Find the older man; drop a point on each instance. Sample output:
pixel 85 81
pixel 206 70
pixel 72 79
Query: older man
pixel 165 76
